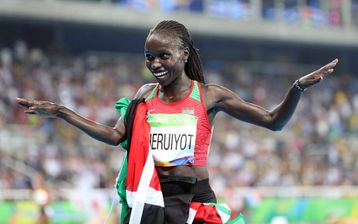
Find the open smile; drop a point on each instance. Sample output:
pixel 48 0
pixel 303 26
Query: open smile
pixel 160 74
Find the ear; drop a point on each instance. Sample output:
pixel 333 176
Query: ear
pixel 186 54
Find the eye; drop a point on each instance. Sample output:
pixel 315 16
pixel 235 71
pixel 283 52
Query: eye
pixel 164 56
pixel 149 57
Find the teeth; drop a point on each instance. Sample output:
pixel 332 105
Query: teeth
pixel 159 74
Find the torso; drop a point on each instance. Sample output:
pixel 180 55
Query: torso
pixel 200 172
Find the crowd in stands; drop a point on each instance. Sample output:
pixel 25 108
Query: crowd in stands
pixel 313 13
pixel 319 146
pixel 309 14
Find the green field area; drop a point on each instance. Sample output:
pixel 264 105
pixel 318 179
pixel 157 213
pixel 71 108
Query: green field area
pixel 295 210
pixel 307 210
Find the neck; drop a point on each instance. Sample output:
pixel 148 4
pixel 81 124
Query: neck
pixel 176 90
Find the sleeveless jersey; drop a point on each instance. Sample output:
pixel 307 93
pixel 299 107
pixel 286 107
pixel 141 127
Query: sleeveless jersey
pixel 180 132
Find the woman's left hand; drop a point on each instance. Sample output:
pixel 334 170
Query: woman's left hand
pixel 317 76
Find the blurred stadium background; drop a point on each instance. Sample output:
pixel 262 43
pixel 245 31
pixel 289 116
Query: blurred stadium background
pixel 88 54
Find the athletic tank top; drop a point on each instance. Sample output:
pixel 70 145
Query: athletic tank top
pixel 180 132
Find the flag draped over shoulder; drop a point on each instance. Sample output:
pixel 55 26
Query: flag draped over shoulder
pixel 138 185
pixel 142 183
pixel 142 193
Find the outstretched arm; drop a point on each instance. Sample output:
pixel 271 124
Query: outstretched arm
pixel 109 135
pixel 221 99
pixel 283 112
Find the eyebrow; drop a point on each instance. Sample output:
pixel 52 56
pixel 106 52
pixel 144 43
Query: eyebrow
pixel 155 53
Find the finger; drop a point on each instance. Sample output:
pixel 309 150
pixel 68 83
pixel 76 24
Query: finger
pixel 23 102
pixel 335 61
pixel 324 74
pixel 326 71
pixel 328 68
pixel 331 64
pixel 329 71
pixel 34 110
pixel 30 112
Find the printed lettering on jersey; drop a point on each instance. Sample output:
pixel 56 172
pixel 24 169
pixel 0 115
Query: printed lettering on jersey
pixel 188 111
pixel 172 138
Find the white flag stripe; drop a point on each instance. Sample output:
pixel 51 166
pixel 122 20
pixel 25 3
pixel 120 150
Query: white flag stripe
pixel 192 213
pixel 154 197
pixel 224 215
pixel 142 191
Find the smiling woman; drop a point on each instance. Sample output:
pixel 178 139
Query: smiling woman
pixel 169 125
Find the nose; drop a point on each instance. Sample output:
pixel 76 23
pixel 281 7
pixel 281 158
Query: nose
pixel 155 64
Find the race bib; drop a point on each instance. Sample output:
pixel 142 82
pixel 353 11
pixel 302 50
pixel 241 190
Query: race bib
pixel 172 138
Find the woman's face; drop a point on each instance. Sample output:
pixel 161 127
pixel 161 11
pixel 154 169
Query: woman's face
pixel 165 57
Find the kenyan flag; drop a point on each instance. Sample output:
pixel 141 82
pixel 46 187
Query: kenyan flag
pixel 212 213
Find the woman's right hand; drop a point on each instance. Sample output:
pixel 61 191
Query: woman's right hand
pixel 103 133
pixel 37 107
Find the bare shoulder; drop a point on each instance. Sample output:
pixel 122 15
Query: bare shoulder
pixel 212 90
pixel 214 94
pixel 145 90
